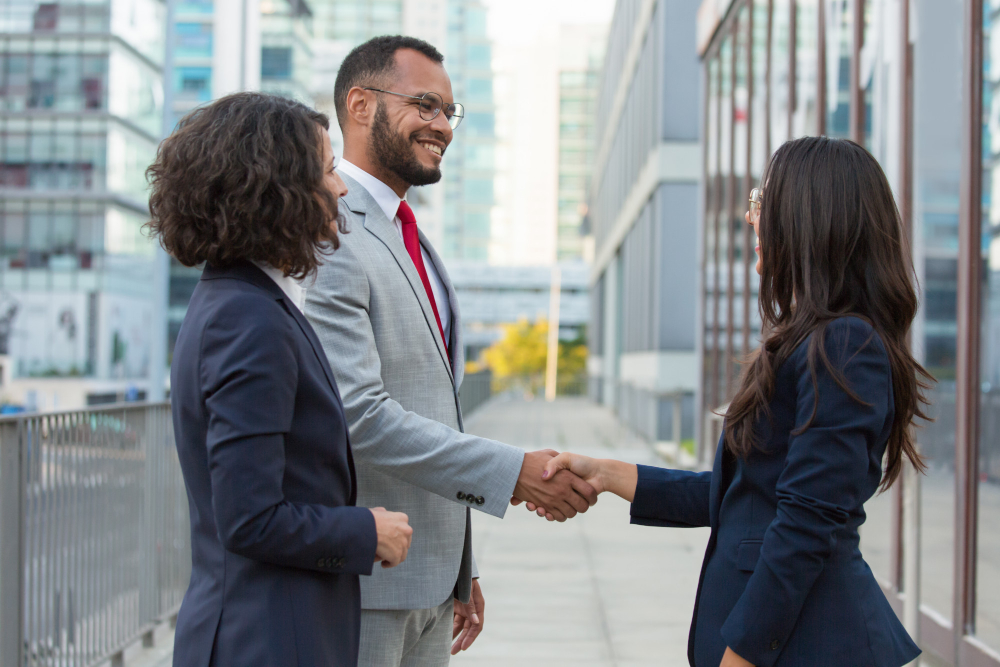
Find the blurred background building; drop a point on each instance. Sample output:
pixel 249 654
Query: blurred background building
pixel 643 205
pixel 80 115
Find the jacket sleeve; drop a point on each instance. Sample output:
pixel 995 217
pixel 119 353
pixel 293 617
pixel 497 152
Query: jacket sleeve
pixel 671 498
pixel 384 436
pixel 823 481
pixel 249 375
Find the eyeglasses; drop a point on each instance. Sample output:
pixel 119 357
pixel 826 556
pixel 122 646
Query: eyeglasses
pixel 756 199
pixel 431 105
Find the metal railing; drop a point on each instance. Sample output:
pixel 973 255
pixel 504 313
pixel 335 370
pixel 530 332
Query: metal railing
pixel 94 533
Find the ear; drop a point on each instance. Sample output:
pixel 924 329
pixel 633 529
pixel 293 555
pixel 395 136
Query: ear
pixel 360 106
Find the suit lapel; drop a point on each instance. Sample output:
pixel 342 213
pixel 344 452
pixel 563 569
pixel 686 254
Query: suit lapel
pixel 361 202
pixel 455 344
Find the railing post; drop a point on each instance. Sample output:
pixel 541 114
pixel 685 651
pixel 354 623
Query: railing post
pixel 12 492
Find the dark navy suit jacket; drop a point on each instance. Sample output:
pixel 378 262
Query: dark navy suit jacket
pixel 783 581
pixel 277 543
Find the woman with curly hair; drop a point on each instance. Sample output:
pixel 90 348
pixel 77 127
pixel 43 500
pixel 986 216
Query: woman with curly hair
pixel 246 187
pixel 831 392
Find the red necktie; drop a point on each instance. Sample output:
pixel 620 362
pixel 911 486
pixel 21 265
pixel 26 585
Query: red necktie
pixel 412 242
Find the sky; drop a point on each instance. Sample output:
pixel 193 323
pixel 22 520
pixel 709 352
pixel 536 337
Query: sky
pixel 517 20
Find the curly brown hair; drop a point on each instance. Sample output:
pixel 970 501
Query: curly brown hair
pixel 242 179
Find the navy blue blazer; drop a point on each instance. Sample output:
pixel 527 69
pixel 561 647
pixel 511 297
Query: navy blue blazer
pixel 783 581
pixel 277 543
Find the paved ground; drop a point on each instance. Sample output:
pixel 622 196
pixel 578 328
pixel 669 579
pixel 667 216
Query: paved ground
pixel 595 590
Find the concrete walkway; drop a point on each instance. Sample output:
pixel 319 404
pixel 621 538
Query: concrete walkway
pixel 593 591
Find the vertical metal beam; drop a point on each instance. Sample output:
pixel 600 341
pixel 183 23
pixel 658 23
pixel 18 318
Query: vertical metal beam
pixel 857 121
pixel 821 69
pixel 767 78
pixel 968 343
pixel 793 65
pixel 12 489
pixel 731 210
pixel 747 247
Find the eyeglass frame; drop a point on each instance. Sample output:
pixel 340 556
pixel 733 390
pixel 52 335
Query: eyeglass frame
pixel 458 112
pixel 756 200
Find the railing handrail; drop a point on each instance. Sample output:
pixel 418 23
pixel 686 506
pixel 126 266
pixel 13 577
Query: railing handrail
pixel 104 407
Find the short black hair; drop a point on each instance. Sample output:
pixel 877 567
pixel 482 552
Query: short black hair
pixel 369 63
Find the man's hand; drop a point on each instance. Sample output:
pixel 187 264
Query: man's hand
pixel 730 659
pixel 563 494
pixel 468 620
pixel 394 536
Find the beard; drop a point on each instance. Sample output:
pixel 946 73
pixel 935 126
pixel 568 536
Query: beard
pixel 396 154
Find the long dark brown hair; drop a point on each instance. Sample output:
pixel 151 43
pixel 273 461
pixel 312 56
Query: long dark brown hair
pixel 242 179
pixel 832 245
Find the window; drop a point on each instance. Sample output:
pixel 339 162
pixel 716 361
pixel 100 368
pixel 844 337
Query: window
pixel 194 40
pixel 276 62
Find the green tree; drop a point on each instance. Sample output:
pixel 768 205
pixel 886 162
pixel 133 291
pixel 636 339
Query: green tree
pixel 517 360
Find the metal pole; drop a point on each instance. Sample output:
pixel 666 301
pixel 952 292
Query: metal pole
pixel 12 489
pixel 161 264
pixel 552 356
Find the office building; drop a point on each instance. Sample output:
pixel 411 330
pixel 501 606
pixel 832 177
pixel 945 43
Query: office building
pixel 913 82
pixel 643 212
pixel 581 54
pixel 80 118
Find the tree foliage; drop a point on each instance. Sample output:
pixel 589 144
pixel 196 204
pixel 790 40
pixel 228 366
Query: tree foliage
pixel 518 360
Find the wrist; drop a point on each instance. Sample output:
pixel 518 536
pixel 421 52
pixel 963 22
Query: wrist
pixel 619 477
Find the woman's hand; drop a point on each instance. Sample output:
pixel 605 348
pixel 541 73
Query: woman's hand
pixel 617 477
pixel 730 659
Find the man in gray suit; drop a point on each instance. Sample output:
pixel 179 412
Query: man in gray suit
pixel 387 316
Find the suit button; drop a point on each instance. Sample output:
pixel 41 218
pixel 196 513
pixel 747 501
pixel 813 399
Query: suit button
pixel 775 644
pixel 460 496
pixel 321 562
pixel 480 500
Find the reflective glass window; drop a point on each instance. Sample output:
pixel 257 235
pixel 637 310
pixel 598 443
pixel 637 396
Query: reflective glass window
pixel 987 618
pixel 839 37
pixel 805 120
pixel 937 169
pixel 194 40
pixel 780 71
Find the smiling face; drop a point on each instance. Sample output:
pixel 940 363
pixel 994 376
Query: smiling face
pixel 401 143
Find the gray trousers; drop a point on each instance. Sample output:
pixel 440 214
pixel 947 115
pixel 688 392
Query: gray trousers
pixel 407 637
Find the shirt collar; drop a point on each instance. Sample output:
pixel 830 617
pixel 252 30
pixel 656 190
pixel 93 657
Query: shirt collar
pixel 383 195
pixel 292 289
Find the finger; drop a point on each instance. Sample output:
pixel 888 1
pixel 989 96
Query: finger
pixel 456 626
pixel 531 506
pixel 586 491
pixel 457 646
pixel 470 636
pixel 515 501
pixel 555 464
pixel 550 517
pixel 577 502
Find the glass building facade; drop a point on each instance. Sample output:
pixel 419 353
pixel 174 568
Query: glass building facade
pixel 914 82
pixel 80 118
pixel 643 204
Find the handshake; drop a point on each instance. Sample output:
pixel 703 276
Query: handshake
pixel 556 486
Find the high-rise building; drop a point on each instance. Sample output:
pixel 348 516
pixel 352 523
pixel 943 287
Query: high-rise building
pixel 80 118
pixel 644 216
pixel 581 54
pixel 286 55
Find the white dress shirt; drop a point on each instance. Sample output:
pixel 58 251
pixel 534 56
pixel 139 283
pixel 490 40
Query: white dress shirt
pixel 291 287
pixel 388 201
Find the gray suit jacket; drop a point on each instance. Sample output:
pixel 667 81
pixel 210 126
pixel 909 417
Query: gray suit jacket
pixel 400 394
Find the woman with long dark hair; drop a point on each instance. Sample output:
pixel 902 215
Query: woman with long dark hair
pixel 831 393
pixel 246 186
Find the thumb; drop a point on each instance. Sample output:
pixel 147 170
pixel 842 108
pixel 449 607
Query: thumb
pixel 557 463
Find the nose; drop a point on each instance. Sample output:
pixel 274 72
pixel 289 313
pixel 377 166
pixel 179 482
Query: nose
pixel 341 187
pixel 440 124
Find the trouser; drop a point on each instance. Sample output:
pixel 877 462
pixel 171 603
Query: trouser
pixel 407 637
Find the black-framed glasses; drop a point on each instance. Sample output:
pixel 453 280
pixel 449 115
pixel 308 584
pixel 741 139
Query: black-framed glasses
pixel 431 105
pixel 756 199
